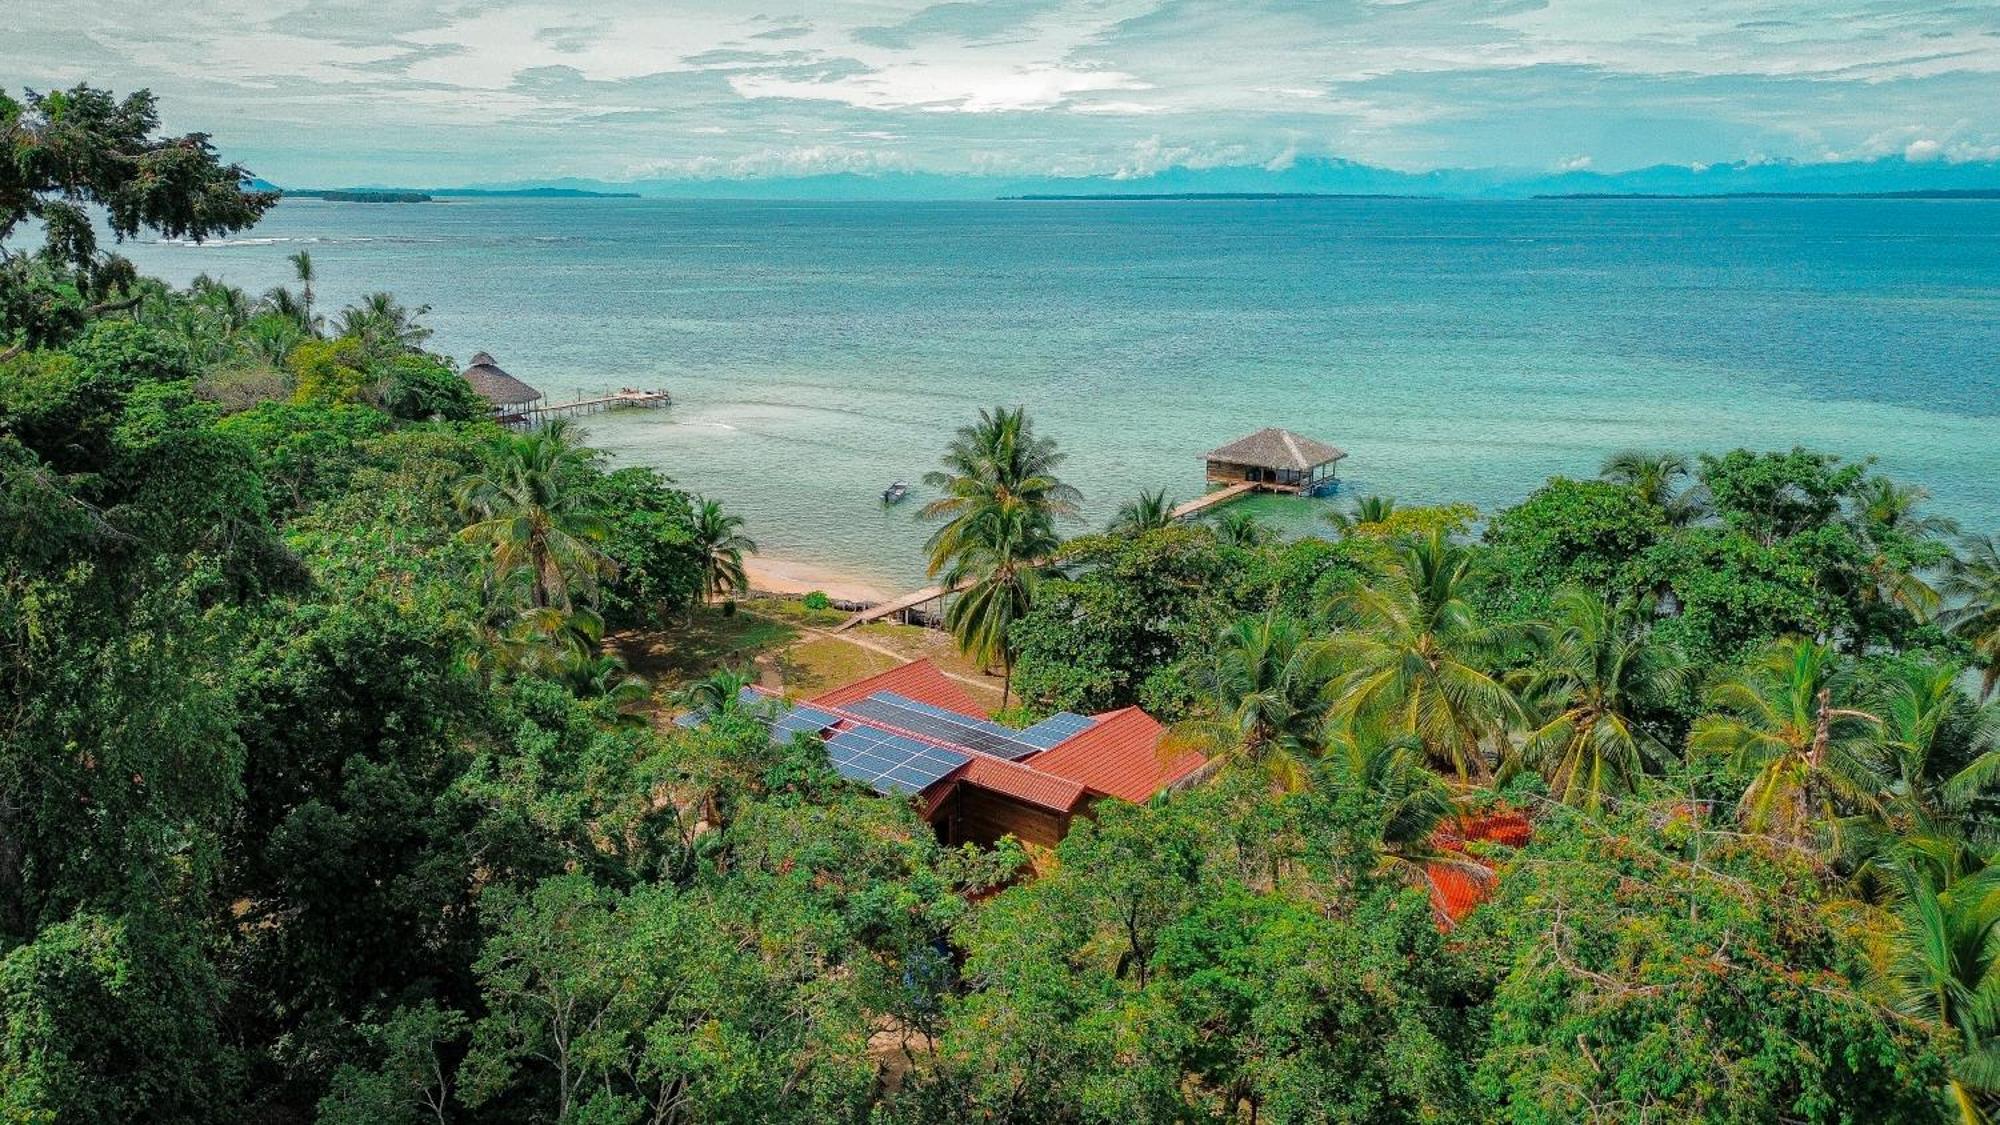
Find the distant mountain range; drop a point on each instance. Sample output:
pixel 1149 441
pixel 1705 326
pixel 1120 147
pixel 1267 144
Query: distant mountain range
pixel 1888 177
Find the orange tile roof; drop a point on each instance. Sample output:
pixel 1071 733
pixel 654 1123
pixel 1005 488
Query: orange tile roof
pixel 919 680
pixel 1118 756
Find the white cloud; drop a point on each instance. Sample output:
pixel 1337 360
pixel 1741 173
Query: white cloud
pixel 1575 163
pixel 1080 86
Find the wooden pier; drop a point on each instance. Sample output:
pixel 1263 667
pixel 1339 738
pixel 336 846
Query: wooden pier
pixel 900 605
pixel 1187 509
pixel 617 400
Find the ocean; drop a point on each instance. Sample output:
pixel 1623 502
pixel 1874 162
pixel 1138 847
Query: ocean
pixel 1456 350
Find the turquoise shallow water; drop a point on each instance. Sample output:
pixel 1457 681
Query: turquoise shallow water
pixel 1457 350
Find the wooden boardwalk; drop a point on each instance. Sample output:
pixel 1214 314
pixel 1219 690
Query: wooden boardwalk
pixel 907 601
pixel 1209 500
pixel 644 400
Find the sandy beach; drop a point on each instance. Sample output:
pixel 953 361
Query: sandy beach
pixel 781 576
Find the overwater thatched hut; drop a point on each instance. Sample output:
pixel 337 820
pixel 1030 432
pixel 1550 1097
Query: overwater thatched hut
pixel 507 394
pixel 1275 459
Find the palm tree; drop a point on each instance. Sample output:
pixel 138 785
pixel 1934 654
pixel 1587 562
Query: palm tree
pixel 999 500
pixel 1367 510
pixel 719 694
pixel 1889 519
pixel 302 268
pixel 1660 479
pixel 1945 967
pixel 1928 800
pixel 1972 583
pixel 530 512
pixel 1151 511
pixel 1416 651
pixel 1242 529
pixel 996 573
pixel 991 469
pixel 1598 669
pixel 1778 722
pixel 719 539
pixel 1263 701
pixel 1414 803
pixel 383 325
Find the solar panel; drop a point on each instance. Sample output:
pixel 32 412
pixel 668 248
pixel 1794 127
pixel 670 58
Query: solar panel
pixel 1056 728
pixel 891 763
pixel 801 720
pixel 946 726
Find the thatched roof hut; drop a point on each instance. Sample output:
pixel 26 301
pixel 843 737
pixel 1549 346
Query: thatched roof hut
pixel 505 392
pixel 1275 457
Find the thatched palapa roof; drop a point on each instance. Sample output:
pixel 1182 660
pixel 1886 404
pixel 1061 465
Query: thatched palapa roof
pixel 1273 448
pixel 495 385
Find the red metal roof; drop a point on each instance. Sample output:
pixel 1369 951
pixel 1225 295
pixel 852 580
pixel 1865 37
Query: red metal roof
pixel 1119 756
pixel 1023 783
pixel 919 680
pixel 1456 888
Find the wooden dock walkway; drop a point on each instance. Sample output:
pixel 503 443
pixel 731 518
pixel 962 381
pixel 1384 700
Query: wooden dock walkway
pixel 1209 500
pixel 644 400
pixel 907 601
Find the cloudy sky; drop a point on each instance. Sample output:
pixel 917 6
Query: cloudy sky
pixel 461 91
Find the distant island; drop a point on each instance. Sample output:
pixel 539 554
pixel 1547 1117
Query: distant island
pixel 364 196
pixel 1933 193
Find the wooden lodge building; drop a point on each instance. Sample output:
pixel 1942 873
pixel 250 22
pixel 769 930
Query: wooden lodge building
pixel 1275 460
pixel 913 731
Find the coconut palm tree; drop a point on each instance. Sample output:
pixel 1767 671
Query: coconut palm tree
pixel 1661 479
pixel 1972 585
pixel 1415 803
pixel 719 539
pixel 1926 809
pixel 302 269
pixel 1150 511
pixel 528 509
pixel 1807 757
pixel 1945 967
pixel 384 326
pixel 993 468
pixel 1242 529
pixel 1889 519
pixel 1263 701
pixel 1367 510
pixel 1416 656
pixel 996 571
pixel 1598 668
pixel 720 693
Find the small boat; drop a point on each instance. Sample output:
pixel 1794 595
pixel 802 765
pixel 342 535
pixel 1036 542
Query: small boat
pixel 895 492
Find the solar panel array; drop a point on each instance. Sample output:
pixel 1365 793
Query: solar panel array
pixel 908 714
pixel 801 720
pixel 1055 728
pixel 890 762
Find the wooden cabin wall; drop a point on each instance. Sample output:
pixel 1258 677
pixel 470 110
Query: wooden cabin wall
pixel 978 816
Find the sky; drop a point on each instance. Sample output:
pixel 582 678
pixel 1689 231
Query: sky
pixel 441 92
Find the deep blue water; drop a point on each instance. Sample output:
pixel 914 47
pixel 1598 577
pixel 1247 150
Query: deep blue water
pixel 1457 350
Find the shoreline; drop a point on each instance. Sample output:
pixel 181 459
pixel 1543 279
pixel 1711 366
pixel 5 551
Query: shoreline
pixel 784 576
